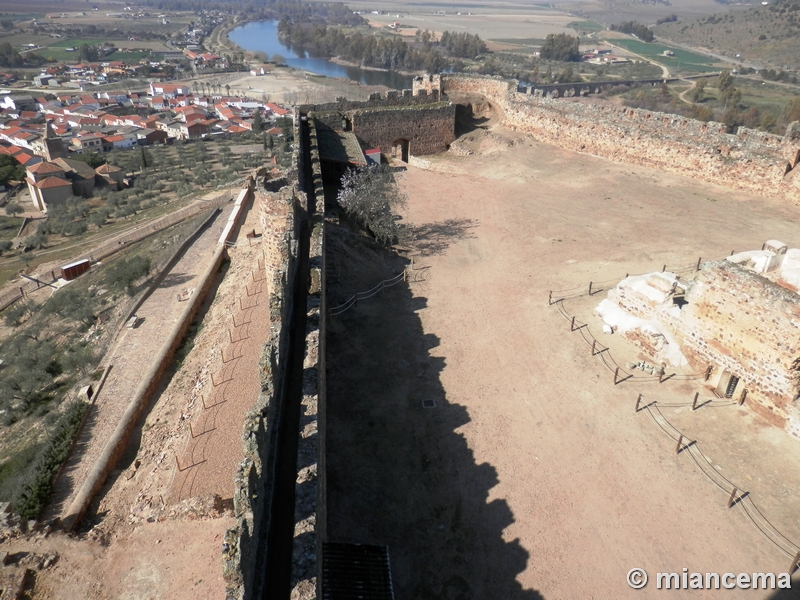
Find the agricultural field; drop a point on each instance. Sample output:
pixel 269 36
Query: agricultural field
pixel 683 61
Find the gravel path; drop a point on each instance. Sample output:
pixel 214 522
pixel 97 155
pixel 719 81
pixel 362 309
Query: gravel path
pixel 213 449
pixel 131 357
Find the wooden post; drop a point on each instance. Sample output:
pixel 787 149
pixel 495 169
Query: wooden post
pixel 743 397
pixel 678 447
pixel 638 401
pixel 404 274
pixel 699 258
pixel 593 343
pixel 661 374
pixel 590 288
pixel 795 561
pixel 572 325
pixel 708 371
pixel 732 497
pixel 550 299
pixel 664 268
pixel 733 252
pixel 694 402
pixel 616 373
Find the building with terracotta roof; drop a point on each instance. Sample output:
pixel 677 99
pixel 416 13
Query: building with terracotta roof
pixel 50 190
pixel 111 175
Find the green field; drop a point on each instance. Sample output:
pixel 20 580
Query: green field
pixel 683 59
pixel 581 26
pixel 77 42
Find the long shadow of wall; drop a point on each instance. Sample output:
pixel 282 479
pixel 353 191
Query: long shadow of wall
pixel 400 474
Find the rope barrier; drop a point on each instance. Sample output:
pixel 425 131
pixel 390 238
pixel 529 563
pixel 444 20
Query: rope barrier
pixel 738 497
pixel 595 287
pixel 353 300
pixel 598 349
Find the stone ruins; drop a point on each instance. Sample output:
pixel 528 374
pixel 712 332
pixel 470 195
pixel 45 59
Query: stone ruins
pixel 751 160
pixel 737 320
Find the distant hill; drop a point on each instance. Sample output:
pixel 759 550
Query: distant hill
pixel 763 36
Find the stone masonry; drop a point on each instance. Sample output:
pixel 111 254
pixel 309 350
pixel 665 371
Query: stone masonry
pixel 750 160
pixel 424 122
pixel 732 319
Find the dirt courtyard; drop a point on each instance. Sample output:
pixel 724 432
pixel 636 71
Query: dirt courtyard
pixel 532 477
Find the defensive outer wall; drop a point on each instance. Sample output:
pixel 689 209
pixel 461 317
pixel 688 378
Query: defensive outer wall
pixel 750 160
pixel 424 121
pixel 272 550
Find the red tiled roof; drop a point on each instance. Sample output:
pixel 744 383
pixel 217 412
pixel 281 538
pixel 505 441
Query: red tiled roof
pixel 45 167
pixel 52 182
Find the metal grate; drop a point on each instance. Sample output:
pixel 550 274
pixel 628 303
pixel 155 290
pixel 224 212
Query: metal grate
pixel 428 403
pixel 356 571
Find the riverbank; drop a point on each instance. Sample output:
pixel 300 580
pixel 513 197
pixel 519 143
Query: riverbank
pixel 348 63
pixel 259 38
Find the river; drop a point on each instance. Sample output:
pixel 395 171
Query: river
pixel 263 37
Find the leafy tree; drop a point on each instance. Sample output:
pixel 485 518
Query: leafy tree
pixel 370 195
pixel 7 24
pixel 791 112
pixel 724 81
pixel 125 272
pixel 698 92
pixel 13 208
pixel 258 122
pixel 87 53
pixel 278 59
pixel 99 217
pixel 561 47
pixel 641 31
pixel 71 304
pixel 17 312
pixel 5 246
pixel 10 169
pixel 566 75
pixel 93 159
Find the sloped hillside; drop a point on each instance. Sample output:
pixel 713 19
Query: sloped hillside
pixel 763 36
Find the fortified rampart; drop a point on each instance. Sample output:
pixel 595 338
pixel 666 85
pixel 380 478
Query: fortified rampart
pixel 750 160
pixel 244 548
pixel 268 552
pixel 400 124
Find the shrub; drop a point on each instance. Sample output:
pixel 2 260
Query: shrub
pixel 36 489
pixel 126 272
pixel 370 195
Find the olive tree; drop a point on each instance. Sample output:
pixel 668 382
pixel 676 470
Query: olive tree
pixel 370 195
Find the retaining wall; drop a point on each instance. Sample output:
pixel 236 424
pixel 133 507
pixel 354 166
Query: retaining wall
pixel 749 160
pixel 115 446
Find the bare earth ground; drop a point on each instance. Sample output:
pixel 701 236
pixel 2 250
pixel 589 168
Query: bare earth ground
pixel 533 477
pixel 154 532
pixel 285 86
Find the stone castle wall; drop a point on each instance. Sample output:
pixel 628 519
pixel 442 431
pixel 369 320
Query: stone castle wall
pixel 427 123
pixel 243 549
pixel 750 160
pixel 742 322
pixel 428 129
